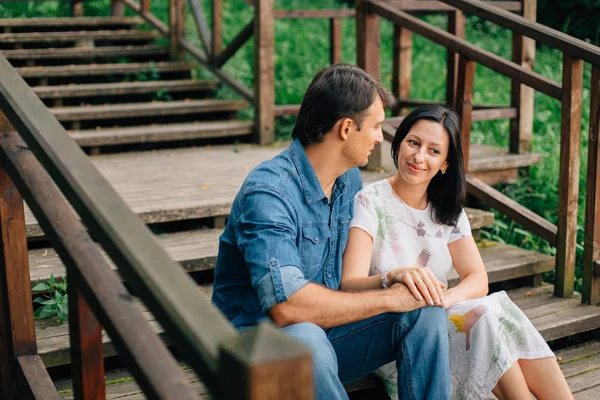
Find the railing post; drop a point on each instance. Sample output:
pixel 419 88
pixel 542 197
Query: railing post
pixel 85 334
pixel 456 26
pixel 521 98
pixel 368 40
pixel 77 8
pixel 568 186
pixel 464 103
pixel 335 40
pixel 117 8
pixel 17 330
pixel 402 63
pixel 267 365
pixel 145 6
pixel 591 278
pixel 264 70
pixel 217 27
pixel 176 28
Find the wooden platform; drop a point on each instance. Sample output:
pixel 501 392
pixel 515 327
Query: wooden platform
pixel 580 364
pixel 190 183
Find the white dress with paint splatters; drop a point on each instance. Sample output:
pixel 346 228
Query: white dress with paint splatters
pixel 486 335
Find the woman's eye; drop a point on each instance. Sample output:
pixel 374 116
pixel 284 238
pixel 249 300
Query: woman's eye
pixel 413 142
pixel 435 151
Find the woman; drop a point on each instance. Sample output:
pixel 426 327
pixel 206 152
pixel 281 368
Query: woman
pixel 412 229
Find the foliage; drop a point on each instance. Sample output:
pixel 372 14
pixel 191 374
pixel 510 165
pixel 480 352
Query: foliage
pixel 54 300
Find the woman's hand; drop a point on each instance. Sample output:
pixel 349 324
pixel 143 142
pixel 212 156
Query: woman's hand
pixel 421 282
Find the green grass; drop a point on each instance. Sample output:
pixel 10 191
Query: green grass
pixel 302 48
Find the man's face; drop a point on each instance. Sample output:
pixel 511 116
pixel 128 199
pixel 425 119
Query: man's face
pixel 361 142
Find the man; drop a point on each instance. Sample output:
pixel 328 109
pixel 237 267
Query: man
pixel 280 256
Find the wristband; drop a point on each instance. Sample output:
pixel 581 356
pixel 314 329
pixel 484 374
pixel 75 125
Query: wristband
pixel 384 280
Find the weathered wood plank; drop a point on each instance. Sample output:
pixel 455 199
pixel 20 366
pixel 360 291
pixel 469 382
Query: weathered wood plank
pixel 568 186
pixel 588 394
pixel 429 5
pixel 70 21
pixel 72 36
pixel 131 110
pixel 122 88
pixel 40 386
pixel 82 52
pixel 264 70
pixel 402 63
pixel 237 42
pixel 308 14
pixel 176 29
pixel 581 319
pixel 103 69
pixel 162 133
pixel 201 25
pixel 591 252
pixel 217 26
pixel 580 383
pixel 335 41
pixel 589 364
pixel 578 352
pixel 456 27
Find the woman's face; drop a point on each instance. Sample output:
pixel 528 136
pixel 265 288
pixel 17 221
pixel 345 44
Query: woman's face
pixel 423 152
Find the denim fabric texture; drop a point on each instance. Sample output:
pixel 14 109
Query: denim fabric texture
pixel 282 233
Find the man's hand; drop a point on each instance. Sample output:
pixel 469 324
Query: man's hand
pixel 421 282
pixel 402 300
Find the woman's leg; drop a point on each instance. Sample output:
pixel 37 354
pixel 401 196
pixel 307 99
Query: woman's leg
pixel 545 379
pixel 512 385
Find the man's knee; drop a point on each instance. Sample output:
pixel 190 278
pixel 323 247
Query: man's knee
pixel 315 338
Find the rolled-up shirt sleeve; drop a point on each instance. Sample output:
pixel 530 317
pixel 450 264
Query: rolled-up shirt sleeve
pixel 266 236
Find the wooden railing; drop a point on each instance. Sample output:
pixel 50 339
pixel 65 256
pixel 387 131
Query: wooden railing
pixel 575 53
pixel 40 163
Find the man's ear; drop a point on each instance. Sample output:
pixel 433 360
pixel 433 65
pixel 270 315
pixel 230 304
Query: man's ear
pixel 346 126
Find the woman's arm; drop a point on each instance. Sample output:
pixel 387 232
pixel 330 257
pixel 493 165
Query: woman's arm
pixel 355 271
pixel 469 266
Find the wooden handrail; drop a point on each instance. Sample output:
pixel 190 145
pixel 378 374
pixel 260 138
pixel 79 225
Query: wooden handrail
pixel 429 5
pixel 164 287
pixel 574 47
pixel 89 271
pixel 468 50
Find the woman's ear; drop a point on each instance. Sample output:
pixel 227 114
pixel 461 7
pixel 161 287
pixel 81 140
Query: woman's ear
pixel 444 167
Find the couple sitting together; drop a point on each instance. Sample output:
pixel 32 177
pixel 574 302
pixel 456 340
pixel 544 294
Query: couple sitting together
pixel 358 275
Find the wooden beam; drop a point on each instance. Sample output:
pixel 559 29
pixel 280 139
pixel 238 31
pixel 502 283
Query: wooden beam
pixel 433 6
pixel 217 27
pixel 335 41
pixel 17 330
pixel 464 103
pixel 310 14
pixel 241 38
pixel 567 44
pixel 507 206
pixel 176 28
pixel 521 98
pixel 456 27
pixel 468 50
pixel 368 54
pixel 264 71
pixel 402 64
pixel 568 189
pixel 37 382
pixel 590 293
pixel 117 8
pixel 260 358
pixel 77 8
pixel 145 6
pixel 87 354
pixel 201 25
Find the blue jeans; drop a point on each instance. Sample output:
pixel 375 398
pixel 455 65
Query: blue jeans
pixel 417 341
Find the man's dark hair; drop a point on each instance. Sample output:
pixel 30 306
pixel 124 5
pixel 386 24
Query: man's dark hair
pixel 446 192
pixel 336 92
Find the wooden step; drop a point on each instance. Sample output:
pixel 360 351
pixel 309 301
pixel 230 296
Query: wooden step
pixel 85 53
pixel 154 109
pixel 123 88
pixel 80 22
pixel 196 250
pixel 190 183
pixel 560 322
pixel 77 36
pixel 72 71
pixel 162 133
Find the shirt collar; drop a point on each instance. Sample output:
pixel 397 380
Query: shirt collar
pixel 311 186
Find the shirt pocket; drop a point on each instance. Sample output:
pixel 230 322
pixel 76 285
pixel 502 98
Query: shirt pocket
pixel 315 240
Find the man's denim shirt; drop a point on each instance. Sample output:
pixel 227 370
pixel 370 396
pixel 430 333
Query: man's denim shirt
pixel 282 233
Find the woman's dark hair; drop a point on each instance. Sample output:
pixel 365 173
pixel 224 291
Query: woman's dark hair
pixel 336 92
pixel 446 192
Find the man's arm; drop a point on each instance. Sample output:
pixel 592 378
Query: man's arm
pixel 328 308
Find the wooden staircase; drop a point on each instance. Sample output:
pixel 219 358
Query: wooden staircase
pixel 108 83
